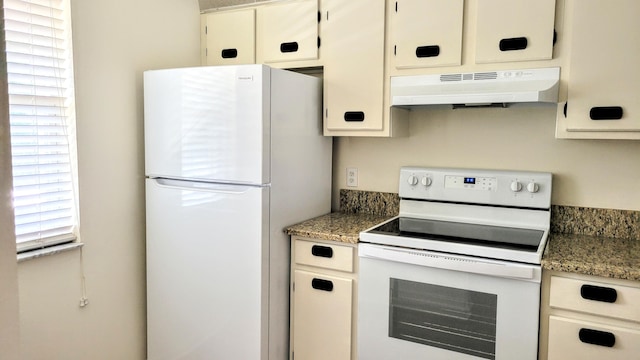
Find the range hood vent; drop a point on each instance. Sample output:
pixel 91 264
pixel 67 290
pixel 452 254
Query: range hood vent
pixel 477 89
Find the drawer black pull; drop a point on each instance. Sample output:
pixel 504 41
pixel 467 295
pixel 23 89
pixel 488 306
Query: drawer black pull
pixel 229 53
pixel 596 337
pixel 354 116
pixel 289 47
pixel 320 284
pixel 606 113
pixel 510 44
pixel 427 51
pixel 598 293
pixel 322 251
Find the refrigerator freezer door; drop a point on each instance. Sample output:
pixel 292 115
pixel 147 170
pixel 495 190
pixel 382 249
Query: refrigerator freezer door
pixel 207 270
pixel 208 123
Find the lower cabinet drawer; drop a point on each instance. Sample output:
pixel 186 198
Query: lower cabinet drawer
pixel 321 316
pixel 576 339
pixel 595 298
pixel 328 256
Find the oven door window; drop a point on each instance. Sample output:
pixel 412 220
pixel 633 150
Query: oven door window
pixel 454 319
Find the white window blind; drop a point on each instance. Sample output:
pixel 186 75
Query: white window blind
pixel 38 50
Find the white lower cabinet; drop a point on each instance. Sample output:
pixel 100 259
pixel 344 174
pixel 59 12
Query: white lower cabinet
pixel 589 317
pixel 577 339
pixel 323 295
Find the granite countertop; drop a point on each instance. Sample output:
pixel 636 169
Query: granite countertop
pixel 337 226
pixel 593 255
pixel 582 254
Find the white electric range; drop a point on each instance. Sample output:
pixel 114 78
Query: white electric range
pixel 457 274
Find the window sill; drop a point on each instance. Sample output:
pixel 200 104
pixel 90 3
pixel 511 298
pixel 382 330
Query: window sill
pixel 37 253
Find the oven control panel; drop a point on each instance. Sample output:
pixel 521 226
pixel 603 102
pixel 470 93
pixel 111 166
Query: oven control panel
pixel 470 182
pixel 487 187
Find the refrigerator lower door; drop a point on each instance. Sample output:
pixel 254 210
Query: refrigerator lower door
pixel 207 270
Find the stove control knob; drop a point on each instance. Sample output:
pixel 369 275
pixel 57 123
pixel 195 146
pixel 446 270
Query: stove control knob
pixel 532 187
pixel 426 181
pixel 412 180
pixel 516 186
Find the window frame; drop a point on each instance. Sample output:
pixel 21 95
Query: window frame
pixel 62 164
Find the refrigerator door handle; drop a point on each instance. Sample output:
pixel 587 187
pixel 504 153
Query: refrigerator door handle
pixel 202 186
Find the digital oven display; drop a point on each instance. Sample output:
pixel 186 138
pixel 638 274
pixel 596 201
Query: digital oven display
pixel 469 180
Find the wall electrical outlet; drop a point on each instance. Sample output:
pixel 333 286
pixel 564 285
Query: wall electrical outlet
pixel 352 177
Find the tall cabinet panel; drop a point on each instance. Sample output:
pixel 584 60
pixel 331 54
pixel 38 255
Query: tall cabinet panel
pixel 426 33
pixel 229 37
pixel 287 31
pixel 510 30
pixel 603 74
pixel 354 58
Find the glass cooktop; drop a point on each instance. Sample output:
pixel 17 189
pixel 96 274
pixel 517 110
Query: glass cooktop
pixel 462 233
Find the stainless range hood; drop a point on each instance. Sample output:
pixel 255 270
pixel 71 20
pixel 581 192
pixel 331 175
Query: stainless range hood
pixel 477 89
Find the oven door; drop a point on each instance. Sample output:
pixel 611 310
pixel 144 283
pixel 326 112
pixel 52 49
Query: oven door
pixel 426 305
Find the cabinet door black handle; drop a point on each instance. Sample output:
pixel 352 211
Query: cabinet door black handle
pixel 427 51
pixel 229 53
pixel 596 337
pixel 321 284
pixel 598 293
pixel 606 113
pixel 322 251
pixel 354 116
pixel 289 47
pixel 510 44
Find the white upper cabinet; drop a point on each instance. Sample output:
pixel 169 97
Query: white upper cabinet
pixel 353 43
pixel 508 30
pixel 426 33
pixel 603 75
pixel 228 37
pixel 287 31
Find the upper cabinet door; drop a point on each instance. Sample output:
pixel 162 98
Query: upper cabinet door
pixel 426 33
pixel 287 31
pixel 604 73
pixel 353 51
pixel 229 37
pixel 508 30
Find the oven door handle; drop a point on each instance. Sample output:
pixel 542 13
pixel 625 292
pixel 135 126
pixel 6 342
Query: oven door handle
pixel 450 262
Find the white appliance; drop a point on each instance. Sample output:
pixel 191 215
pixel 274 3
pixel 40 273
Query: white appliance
pixel 477 88
pixel 234 154
pixel 456 275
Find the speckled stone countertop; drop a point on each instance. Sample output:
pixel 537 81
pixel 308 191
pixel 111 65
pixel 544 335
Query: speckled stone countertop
pixel 599 242
pixel 338 226
pixel 593 255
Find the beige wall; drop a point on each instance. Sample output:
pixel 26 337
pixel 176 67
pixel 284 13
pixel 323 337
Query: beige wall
pixel 114 42
pixel 591 173
pixel 9 326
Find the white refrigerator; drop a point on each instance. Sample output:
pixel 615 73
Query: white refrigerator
pixel 233 155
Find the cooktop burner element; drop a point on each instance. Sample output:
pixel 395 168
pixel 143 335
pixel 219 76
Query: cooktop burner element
pixel 486 213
